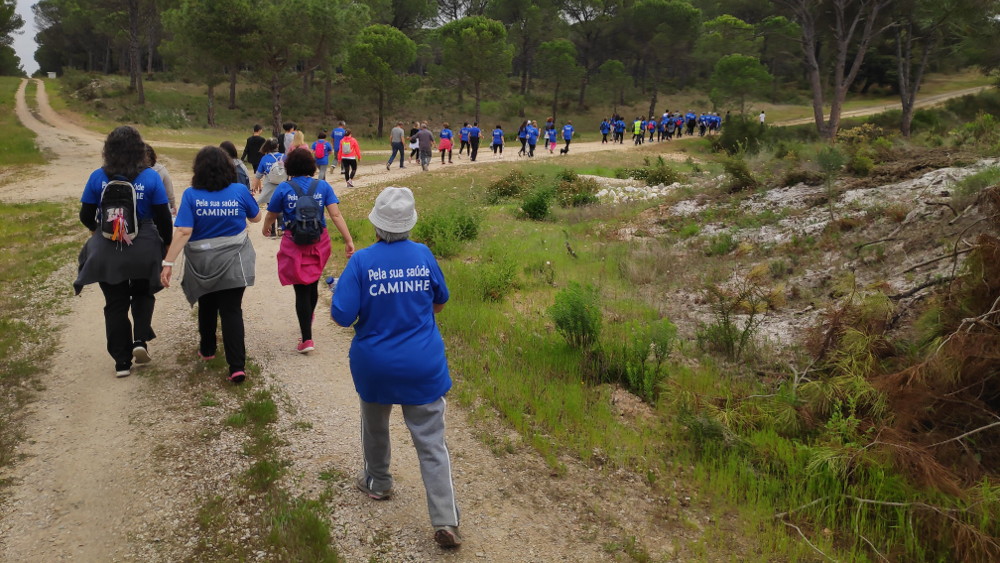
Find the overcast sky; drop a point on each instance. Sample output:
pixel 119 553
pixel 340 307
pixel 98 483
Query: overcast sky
pixel 24 43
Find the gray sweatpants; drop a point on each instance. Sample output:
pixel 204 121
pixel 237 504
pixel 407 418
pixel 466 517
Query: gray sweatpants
pixel 426 424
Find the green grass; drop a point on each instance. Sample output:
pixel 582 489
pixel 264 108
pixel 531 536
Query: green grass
pixel 33 244
pixel 17 144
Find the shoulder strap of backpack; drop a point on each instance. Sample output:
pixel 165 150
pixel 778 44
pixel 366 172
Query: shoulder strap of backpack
pixel 312 187
pixel 298 191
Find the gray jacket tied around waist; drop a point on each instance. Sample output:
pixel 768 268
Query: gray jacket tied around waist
pixel 218 263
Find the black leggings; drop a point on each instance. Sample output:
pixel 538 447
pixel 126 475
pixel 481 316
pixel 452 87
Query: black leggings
pixel 306 297
pixel 350 167
pixel 497 147
pixel 119 300
pixel 442 155
pixel 523 142
pixel 227 304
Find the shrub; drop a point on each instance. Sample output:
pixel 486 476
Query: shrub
pixel 662 174
pixel 860 165
pixel 496 279
pixel 537 204
pixel 577 314
pixel 741 134
pixel 636 360
pixel 727 334
pixel 802 176
pixel 740 177
pixel 721 244
pixel 577 191
pixel 512 185
pixel 446 230
pixel 972 184
pixel 567 175
pixel 631 173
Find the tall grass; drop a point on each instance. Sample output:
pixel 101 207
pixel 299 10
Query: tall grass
pixel 17 144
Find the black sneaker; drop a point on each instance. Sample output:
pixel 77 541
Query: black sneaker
pixel 141 352
pixel 123 369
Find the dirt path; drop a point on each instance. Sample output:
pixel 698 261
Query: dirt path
pixel 91 486
pixel 923 102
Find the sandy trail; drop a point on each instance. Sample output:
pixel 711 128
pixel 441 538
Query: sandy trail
pixel 90 484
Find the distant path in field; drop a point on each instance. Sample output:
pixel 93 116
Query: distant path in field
pixel 922 102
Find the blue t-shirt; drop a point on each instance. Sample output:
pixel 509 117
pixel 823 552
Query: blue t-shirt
pixel 475 132
pixel 498 136
pixel 446 133
pixel 284 198
pixel 337 134
pixel 326 152
pixel 550 134
pixel 532 132
pixel 216 214
pixel 605 127
pixel 397 355
pixel 567 132
pixel 463 133
pixel 149 191
pixel 522 133
pixel 267 161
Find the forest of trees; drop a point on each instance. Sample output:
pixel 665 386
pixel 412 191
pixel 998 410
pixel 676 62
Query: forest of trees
pixel 10 24
pixel 736 50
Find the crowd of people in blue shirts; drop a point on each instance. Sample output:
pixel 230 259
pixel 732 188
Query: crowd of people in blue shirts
pixel 669 125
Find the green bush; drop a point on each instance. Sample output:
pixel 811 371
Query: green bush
pixel 662 174
pixel 972 184
pixel 860 165
pixel 577 192
pixel 577 314
pixel 446 230
pixel 802 175
pixel 514 184
pixel 740 134
pixel 631 173
pixel 738 312
pixel 721 244
pixel 537 204
pixel 495 280
pixel 635 361
pixel 740 176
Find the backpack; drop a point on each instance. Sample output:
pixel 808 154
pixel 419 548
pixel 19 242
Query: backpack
pixel 119 217
pixel 307 227
pixel 276 172
pixel 320 149
pixel 241 175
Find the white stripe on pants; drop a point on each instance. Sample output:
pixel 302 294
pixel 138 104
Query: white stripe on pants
pixel 426 424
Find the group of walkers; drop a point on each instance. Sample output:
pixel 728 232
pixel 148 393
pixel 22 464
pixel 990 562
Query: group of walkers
pixel 669 125
pixel 390 292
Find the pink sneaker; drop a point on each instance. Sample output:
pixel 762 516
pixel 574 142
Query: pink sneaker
pixel 305 347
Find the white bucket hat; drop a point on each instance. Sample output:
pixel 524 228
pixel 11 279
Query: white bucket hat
pixel 394 210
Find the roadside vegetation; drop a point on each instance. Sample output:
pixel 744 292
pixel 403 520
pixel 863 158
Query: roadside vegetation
pixel 841 439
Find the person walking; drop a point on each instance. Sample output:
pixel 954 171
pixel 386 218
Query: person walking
pixel 425 144
pixel 474 134
pixel 463 136
pixel 396 142
pixel 760 118
pixel 637 131
pixel 550 136
pixel 350 156
pixel 605 129
pixel 522 135
pixel 567 132
pixel 298 142
pixel 126 264
pixel 251 150
pixel 242 174
pixel 286 138
pixel 301 263
pixel 446 143
pixel 394 325
pixel 160 169
pixel 497 144
pixel 270 172
pixel 217 270
pixel 532 133
pixel 336 136
pixel 414 147
pixel 321 149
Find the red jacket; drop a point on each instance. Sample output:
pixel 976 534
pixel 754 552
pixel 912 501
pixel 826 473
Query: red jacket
pixel 349 148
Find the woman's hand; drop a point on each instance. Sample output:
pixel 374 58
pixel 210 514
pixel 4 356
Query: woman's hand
pixel 165 275
pixel 349 249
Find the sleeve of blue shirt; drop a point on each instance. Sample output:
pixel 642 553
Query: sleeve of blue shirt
pixel 185 211
pixel 277 203
pixel 92 191
pixel 158 194
pixel 346 303
pixel 329 196
pixel 438 286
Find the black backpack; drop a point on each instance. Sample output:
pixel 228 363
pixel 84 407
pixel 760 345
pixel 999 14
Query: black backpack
pixel 119 218
pixel 307 226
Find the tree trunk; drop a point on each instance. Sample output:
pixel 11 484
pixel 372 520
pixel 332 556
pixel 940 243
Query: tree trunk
pixel 525 63
pixel 581 103
pixel 134 61
pixel 652 101
pixel 211 105
pixel 381 108
pixel 478 99
pixel 909 84
pixel 555 102
pixel 149 55
pixel 328 95
pixel 233 71
pixel 276 104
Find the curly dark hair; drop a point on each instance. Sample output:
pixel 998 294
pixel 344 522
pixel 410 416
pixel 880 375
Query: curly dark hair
pixel 124 153
pixel 213 170
pixel 150 156
pixel 269 146
pixel 229 147
pixel 300 162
